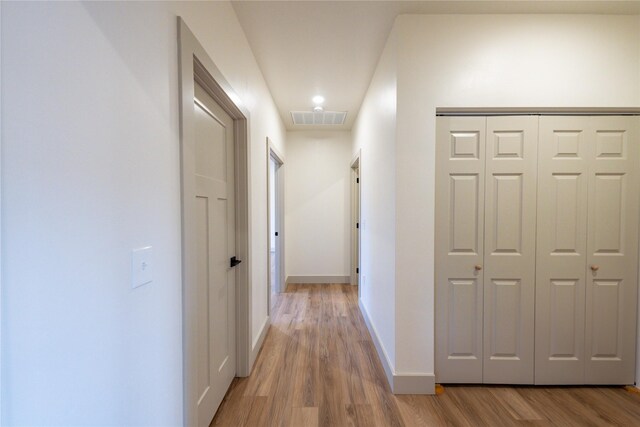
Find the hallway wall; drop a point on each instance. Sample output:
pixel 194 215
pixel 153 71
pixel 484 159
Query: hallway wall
pixel 435 61
pixel 317 205
pixel 374 135
pixel 486 61
pixel 90 171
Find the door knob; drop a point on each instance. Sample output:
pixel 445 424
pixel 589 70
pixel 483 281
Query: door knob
pixel 234 261
pixel 594 268
pixel 478 267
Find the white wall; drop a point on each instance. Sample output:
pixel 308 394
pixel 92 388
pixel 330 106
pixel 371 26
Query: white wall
pixel 90 170
pixel 486 61
pixel 317 203
pixel 374 133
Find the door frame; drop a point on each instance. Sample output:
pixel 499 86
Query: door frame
pixel 356 219
pixel 194 64
pixel 273 153
pixel 1 353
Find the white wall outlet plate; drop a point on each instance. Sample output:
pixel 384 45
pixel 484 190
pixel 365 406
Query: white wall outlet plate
pixel 141 266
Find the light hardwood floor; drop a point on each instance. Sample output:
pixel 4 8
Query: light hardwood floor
pixel 319 367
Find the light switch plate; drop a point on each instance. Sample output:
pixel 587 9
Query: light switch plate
pixel 141 266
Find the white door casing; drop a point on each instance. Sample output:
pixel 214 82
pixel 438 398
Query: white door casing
pixel 215 225
pixel 509 249
pixel 275 185
pixel 355 221
pixel 195 65
pixel 460 159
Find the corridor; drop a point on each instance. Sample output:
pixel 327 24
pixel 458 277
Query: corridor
pixel 318 367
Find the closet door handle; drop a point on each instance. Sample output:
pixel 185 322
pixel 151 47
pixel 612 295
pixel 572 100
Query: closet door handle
pixel 594 268
pixel 478 267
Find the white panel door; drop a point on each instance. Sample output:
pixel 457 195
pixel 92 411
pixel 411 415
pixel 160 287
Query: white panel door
pixel 509 249
pixel 612 252
pixel 215 216
pixel 460 147
pixel 565 150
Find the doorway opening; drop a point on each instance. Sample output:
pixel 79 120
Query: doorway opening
pixel 355 221
pixel 275 222
pixel 215 232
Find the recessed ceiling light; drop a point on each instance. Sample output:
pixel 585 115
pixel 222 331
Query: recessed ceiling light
pixel 318 99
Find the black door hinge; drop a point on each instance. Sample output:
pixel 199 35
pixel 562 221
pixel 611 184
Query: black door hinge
pixel 357 270
pixel 357 180
pixel 357 225
pixel 234 261
pixel 276 234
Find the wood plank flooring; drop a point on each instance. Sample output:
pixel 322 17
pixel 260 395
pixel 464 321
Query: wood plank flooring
pixel 319 367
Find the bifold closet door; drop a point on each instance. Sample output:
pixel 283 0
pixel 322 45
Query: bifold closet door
pixel 460 148
pixel 586 290
pixel 564 152
pixel 485 249
pixel 612 252
pixel 509 249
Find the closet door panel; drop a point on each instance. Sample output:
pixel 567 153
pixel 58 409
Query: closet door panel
pixel 612 252
pixel 564 151
pixel 509 261
pixel 460 148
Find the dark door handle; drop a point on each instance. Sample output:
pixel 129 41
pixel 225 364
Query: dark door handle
pixel 234 261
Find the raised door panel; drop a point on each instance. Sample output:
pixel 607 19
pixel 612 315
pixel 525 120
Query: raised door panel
pixel 464 227
pixel 203 351
pixel 460 148
pixel 564 150
pixel 612 252
pixel 509 249
pixel 461 329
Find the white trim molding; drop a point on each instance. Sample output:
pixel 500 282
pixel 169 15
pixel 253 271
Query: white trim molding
pixel 400 382
pixel 257 345
pixel 539 111
pixel 319 279
pixel 278 158
pixel 356 219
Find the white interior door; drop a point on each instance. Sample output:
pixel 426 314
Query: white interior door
pixel 612 252
pixel 510 249
pixel 565 151
pixel 275 227
pixel 355 224
pixel 460 156
pixel 275 222
pixel 215 217
pixel 273 231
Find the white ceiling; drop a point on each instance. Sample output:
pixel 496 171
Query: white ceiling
pixel 331 48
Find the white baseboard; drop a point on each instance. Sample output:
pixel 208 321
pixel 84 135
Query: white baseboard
pixel 400 382
pixel 410 383
pixel 382 354
pixel 257 345
pixel 319 279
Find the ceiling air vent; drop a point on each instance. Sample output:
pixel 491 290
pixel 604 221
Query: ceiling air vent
pixel 321 118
